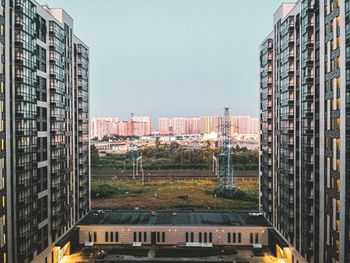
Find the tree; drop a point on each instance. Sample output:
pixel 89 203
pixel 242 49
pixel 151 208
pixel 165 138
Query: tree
pixel 95 156
pixel 157 143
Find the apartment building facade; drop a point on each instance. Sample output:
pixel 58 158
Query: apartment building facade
pixel 239 125
pixel 44 133
pixel 100 127
pixel 304 128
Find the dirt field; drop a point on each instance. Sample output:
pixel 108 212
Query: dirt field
pixel 112 193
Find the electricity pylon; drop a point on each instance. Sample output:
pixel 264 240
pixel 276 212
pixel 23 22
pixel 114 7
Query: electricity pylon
pixel 227 184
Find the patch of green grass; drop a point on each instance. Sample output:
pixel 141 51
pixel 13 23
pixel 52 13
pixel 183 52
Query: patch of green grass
pixel 110 193
pixel 109 250
pixel 137 252
pixel 183 197
pixel 193 252
pixel 258 252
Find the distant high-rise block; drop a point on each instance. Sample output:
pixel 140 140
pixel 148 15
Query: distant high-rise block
pixel 178 126
pixel 142 125
pixel 163 126
pixel 100 127
pixel 239 125
pixel 305 128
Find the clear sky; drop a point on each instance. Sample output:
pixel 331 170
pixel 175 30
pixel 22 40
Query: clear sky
pixel 172 57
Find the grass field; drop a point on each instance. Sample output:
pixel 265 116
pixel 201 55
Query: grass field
pixel 110 193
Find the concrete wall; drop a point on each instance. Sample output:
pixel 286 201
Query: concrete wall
pixel 174 235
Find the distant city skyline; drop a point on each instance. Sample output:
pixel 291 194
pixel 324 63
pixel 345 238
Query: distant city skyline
pixel 143 126
pixel 154 121
pixel 172 57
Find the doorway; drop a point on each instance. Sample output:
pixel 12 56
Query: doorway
pixel 153 238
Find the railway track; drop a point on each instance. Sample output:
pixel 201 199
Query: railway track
pixel 154 174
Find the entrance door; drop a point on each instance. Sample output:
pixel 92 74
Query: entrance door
pixel 153 238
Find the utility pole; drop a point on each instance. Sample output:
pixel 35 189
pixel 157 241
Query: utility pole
pixel 132 125
pixel 133 152
pixel 215 166
pixel 139 159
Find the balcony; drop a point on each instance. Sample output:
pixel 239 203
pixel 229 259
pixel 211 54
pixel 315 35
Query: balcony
pixel 309 131
pixel 309 27
pixel 57 159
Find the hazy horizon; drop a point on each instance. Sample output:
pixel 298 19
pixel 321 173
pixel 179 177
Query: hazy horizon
pixel 172 58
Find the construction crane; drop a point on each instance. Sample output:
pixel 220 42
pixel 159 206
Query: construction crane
pixel 227 183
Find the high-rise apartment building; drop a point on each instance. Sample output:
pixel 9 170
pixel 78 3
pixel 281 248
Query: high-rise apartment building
pixel 239 125
pixel 305 128
pixel 137 126
pixel 124 128
pixel 178 126
pixel 164 125
pixel 100 127
pixel 192 125
pixel 142 125
pixel 44 130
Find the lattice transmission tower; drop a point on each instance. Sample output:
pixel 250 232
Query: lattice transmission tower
pixel 227 184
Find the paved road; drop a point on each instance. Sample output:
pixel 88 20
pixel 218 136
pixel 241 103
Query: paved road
pixel 243 255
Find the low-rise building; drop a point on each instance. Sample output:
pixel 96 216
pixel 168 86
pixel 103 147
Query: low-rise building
pixel 184 228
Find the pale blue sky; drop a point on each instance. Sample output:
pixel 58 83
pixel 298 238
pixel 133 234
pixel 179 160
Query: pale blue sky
pixel 172 57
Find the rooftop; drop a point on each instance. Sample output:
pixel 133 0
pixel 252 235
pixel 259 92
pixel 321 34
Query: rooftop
pixel 178 218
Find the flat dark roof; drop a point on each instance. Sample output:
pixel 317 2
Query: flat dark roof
pixel 182 218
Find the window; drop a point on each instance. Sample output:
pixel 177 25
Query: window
pixel 41 91
pixel 95 236
pixel 42 209
pixel 111 236
pixel 106 237
pixel 186 236
pixel 41 28
pixel 42 178
pixel 251 238
pixel 192 237
pixel 158 236
pixel 338 42
pixel 134 236
pixel 205 237
pixel 256 237
pixel 200 237
pixel 210 237
pixel 228 237
pixel 42 120
pixel 163 236
pixel 234 238
pixel 144 236
pixel 116 237
pixel 90 237
pixel 239 238
pixel 140 236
